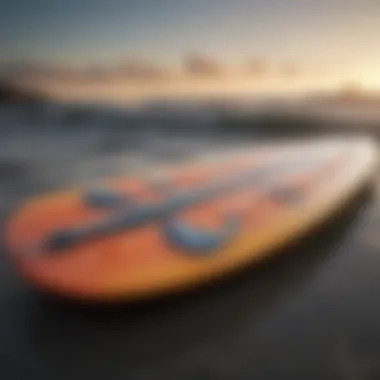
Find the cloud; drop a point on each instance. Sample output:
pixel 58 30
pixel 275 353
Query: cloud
pixel 38 71
pixel 199 65
pixel 129 70
pixel 135 69
pixel 136 79
pixel 290 70
pixel 258 68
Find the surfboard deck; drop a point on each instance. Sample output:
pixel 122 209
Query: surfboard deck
pixel 178 227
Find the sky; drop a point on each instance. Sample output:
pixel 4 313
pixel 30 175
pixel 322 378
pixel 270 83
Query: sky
pixel 82 47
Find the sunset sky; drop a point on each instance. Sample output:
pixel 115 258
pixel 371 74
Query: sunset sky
pixel 126 50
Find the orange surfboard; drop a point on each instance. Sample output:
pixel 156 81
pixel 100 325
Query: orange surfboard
pixel 176 227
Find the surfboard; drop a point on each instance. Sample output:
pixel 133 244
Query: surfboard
pixel 176 227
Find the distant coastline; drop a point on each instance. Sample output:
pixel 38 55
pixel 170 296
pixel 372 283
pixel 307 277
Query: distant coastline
pixel 13 94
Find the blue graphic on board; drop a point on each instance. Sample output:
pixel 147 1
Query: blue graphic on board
pixel 200 241
pixel 102 198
